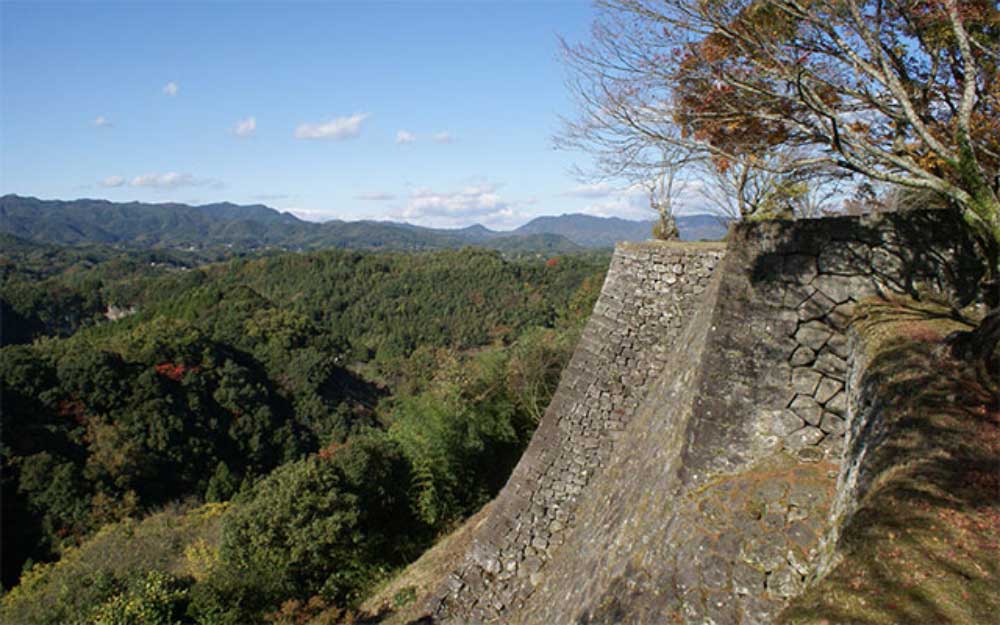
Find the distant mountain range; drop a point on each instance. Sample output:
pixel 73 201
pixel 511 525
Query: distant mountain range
pixel 258 226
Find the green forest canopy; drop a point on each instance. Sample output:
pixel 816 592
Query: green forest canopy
pixel 350 407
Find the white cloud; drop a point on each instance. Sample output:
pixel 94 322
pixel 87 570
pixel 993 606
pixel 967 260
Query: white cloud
pixel 405 136
pixel 376 196
pixel 336 129
pixel 171 88
pixel 172 180
pixel 113 181
pixel 633 202
pixel 599 189
pixel 102 121
pixel 442 137
pixel 479 203
pixel 312 214
pixel 246 127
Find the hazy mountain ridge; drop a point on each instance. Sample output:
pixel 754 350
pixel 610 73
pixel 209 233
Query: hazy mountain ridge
pixel 225 224
pixel 592 231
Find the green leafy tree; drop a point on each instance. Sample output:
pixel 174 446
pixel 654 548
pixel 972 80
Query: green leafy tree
pixel 154 599
pixel 331 524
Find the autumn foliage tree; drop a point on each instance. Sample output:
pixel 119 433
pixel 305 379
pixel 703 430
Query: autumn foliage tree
pixel 904 92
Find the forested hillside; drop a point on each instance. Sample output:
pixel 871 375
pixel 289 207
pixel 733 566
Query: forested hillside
pixel 340 408
pixel 229 228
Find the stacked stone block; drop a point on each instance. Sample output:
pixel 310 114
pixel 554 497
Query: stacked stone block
pixel 688 462
pixel 715 504
pixel 648 296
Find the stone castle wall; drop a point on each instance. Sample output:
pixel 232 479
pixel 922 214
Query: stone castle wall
pixel 715 503
pixel 686 470
pixel 649 295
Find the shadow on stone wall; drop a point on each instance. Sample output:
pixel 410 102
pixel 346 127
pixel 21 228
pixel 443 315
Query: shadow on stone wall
pixel 711 501
pixel 914 253
pixel 920 485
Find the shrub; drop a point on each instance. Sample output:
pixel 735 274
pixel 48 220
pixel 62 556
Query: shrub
pixel 329 525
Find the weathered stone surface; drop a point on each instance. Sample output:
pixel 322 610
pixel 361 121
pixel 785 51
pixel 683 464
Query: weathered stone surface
pixel 794 296
pixel 816 307
pixel 764 553
pixel 681 480
pixel 813 334
pixel 840 317
pixel 832 447
pixel 808 409
pixel 831 365
pixel 810 454
pixel 805 380
pixel 849 259
pixel 838 404
pixel 757 610
pixel 802 356
pixel 838 345
pixel 798 269
pixel 747 580
pixel 783 422
pixel 827 389
pixel 808 435
pixel 835 288
pixel 832 424
pixel 721 609
pixel 785 583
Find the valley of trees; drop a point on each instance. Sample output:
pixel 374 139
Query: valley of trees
pixel 265 437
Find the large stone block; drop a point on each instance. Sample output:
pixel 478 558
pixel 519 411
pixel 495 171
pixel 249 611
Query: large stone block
pixel 798 269
pixel 805 380
pixel 807 409
pixel 804 437
pixel 813 334
pixel 816 307
pixel 827 389
pixel 837 288
pixel 781 422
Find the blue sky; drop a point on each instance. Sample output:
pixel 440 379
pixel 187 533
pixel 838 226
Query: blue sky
pixel 434 113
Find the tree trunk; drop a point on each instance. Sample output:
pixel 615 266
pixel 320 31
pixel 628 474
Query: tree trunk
pixel 666 229
pixel 980 344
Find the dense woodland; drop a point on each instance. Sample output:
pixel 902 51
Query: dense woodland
pixel 260 438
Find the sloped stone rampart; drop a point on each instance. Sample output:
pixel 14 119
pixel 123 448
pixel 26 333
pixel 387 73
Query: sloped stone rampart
pixel 696 485
pixel 714 504
pixel 649 295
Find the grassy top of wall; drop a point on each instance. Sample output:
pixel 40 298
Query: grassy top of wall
pixel 922 545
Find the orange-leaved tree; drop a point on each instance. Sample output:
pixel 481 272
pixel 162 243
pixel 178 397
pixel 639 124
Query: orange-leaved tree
pixel 904 92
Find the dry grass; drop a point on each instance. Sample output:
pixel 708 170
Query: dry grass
pixel 924 545
pixel 403 598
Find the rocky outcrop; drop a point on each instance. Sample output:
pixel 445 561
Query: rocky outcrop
pixel 686 468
